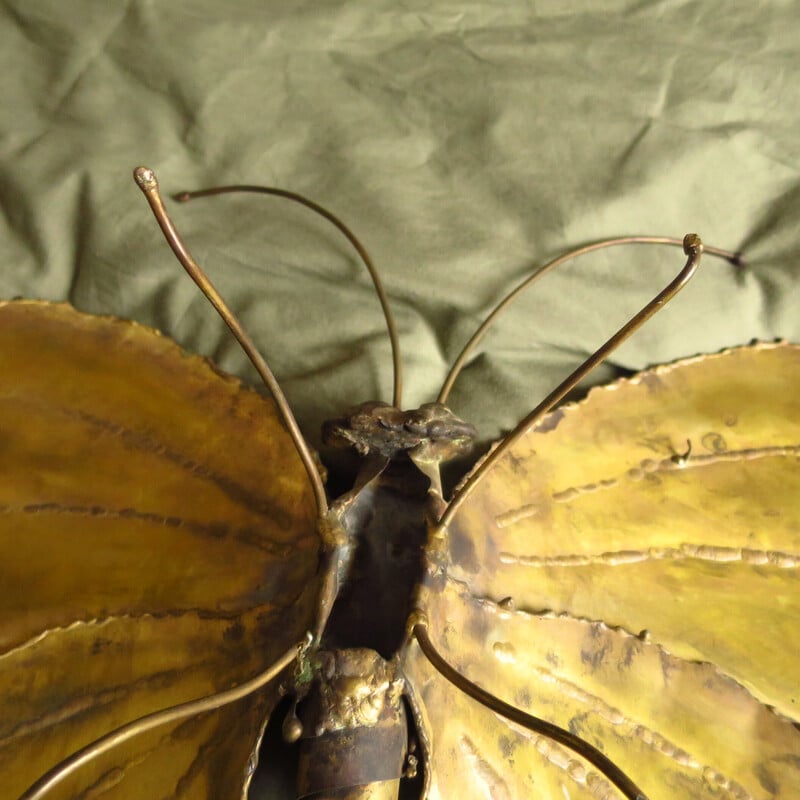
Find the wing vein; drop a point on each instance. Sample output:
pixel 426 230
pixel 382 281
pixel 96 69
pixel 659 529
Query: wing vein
pixel 702 552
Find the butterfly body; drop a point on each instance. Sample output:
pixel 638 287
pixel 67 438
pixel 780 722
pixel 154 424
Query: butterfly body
pixel 379 560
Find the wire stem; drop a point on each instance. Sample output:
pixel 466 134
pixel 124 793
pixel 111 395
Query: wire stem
pixel 469 347
pixel 516 715
pixel 693 248
pixel 391 326
pixel 116 737
pixel 147 182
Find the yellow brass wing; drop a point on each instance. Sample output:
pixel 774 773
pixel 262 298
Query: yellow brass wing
pixel 629 570
pixel 157 544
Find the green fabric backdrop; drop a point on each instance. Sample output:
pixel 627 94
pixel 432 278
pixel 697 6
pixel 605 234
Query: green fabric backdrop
pixel 464 143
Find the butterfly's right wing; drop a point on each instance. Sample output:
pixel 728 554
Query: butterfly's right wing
pixel 645 599
pixel 157 544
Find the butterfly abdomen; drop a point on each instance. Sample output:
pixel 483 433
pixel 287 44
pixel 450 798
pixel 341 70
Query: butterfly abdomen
pixel 355 737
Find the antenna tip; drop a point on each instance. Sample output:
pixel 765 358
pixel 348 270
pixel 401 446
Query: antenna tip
pixel 182 197
pixel 692 244
pixel 145 178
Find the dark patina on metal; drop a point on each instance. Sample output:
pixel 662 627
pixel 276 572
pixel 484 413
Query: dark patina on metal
pixel 354 706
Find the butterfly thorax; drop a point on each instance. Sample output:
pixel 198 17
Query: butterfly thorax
pixel 382 523
pixel 354 736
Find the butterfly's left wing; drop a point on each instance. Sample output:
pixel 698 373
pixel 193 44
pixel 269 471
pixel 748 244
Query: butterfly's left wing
pixel 157 544
pixel 642 597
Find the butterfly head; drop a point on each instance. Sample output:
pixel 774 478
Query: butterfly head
pixel 378 428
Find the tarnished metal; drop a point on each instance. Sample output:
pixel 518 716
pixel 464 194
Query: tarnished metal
pixel 353 707
pixel 379 429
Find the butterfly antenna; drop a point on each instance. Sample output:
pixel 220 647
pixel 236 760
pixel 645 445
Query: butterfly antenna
pixel 391 326
pixel 591 754
pixel 693 248
pixel 469 347
pixel 116 737
pixel 147 182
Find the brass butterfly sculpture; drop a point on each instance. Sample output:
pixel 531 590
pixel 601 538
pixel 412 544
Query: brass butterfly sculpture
pixel 601 610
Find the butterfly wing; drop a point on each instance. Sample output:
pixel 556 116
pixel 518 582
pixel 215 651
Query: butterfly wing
pixel 644 600
pixel 157 544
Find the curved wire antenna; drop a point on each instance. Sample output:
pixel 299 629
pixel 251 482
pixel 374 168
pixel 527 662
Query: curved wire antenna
pixel 469 347
pixel 391 326
pixel 147 182
pixel 116 737
pixel 693 248
pixel 586 751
